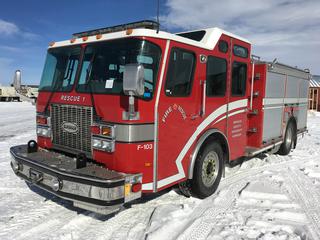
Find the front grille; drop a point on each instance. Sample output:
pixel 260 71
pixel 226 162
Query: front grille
pixel 71 127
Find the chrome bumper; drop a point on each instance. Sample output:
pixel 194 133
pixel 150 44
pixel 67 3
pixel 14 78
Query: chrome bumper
pixel 92 187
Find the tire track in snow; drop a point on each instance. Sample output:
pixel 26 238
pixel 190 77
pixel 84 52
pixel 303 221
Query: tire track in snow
pixel 203 223
pixel 234 184
pixel 301 188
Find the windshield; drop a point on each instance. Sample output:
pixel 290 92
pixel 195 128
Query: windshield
pixel 60 69
pixel 103 65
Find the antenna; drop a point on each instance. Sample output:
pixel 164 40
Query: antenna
pixel 273 63
pixel 158 11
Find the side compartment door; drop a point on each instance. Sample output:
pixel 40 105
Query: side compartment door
pixel 238 98
pixel 178 108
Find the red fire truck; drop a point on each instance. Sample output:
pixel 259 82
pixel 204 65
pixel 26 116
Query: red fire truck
pixel 129 109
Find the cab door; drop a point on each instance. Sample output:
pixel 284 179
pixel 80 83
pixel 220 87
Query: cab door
pixel 178 113
pixel 237 110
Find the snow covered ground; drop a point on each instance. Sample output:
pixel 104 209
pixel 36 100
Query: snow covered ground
pixel 267 197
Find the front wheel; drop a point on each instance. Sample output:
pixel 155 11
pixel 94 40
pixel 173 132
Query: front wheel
pixel 208 170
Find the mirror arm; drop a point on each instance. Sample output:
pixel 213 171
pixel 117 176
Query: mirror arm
pixel 131 114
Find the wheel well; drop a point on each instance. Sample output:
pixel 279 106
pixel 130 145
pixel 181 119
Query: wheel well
pixel 210 136
pixel 223 142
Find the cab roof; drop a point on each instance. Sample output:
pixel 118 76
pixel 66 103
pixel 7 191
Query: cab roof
pixel 202 38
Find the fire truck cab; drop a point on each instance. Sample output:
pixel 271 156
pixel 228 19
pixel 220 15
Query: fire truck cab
pixel 129 109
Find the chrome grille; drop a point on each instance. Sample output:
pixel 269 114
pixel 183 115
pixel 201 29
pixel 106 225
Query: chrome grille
pixel 71 127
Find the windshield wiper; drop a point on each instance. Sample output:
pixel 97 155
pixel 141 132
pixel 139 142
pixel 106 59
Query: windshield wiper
pixel 71 64
pixel 54 88
pixel 88 83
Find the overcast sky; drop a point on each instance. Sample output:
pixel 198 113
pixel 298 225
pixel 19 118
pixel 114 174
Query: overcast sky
pixel 286 30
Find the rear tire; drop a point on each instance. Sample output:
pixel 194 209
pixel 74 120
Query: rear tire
pixel 208 170
pixel 289 139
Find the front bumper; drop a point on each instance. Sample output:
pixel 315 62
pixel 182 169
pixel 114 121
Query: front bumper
pixel 93 187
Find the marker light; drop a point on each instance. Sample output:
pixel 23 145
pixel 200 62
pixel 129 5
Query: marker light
pixel 99 36
pixel 103 130
pixel 72 40
pixel 95 130
pixel 129 31
pixel 42 120
pixel 108 131
pixel 85 38
pixel 136 187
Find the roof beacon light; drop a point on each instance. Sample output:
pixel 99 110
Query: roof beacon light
pixel 147 24
pixel 129 31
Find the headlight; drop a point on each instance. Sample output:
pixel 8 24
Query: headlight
pixel 96 143
pixel 103 144
pixel 108 146
pixel 43 131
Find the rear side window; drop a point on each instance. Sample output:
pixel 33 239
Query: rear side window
pixel 180 73
pixel 223 46
pixel 239 77
pixel 196 35
pixel 216 76
pixel 240 51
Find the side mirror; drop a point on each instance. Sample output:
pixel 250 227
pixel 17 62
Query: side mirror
pixel 133 79
pixel 133 85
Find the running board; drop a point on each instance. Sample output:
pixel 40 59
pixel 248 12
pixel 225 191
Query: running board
pixel 252 151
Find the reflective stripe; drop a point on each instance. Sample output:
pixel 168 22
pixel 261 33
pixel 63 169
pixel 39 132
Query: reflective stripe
pixel 231 114
pixel 274 101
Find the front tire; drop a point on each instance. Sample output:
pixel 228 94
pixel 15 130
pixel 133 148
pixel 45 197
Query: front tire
pixel 289 139
pixel 208 170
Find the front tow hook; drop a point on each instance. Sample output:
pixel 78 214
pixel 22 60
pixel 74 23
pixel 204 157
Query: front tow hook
pixel 35 176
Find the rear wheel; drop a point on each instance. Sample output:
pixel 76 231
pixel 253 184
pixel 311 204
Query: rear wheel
pixel 208 170
pixel 289 139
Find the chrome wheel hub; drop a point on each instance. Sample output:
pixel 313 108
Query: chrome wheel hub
pixel 210 168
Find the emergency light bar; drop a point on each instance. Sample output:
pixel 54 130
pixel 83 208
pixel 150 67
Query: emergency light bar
pixel 147 24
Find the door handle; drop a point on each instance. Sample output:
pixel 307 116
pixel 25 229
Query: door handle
pixel 194 116
pixel 203 100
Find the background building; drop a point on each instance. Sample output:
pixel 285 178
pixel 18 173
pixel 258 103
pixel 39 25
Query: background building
pixel 314 93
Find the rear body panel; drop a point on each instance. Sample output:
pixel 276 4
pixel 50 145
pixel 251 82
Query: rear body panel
pixel 280 93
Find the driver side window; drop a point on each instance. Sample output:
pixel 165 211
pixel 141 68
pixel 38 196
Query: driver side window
pixel 180 73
